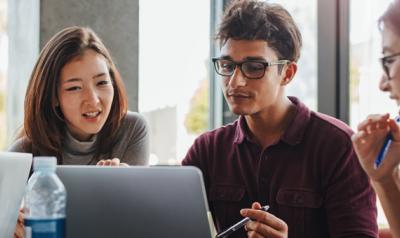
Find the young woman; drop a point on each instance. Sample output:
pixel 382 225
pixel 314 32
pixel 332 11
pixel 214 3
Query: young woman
pixel 76 106
pixel 372 131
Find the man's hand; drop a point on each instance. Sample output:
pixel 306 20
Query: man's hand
pixel 112 162
pixel 20 229
pixel 368 142
pixel 263 224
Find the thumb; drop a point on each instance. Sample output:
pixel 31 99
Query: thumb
pixel 256 205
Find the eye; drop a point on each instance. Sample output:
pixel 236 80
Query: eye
pixel 253 66
pixel 224 64
pixel 389 61
pixel 73 88
pixel 104 82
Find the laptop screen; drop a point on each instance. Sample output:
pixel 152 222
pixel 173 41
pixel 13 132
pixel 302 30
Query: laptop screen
pixel 14 171
pixel 135 202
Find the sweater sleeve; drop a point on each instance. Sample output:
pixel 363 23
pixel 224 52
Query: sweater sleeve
pixel 20 145
pixel 136 135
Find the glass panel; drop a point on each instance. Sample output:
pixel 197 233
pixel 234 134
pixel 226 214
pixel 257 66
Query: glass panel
pixel 3 71
pixel 304 85
pixel 365 70
pixel 174 48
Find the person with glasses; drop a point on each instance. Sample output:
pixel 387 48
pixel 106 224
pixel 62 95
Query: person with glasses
pixel 372 132
pixel 278 152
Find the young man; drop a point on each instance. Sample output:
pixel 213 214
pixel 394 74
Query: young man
pixel 299 162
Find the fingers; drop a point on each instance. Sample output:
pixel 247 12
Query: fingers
pixel 265 218
pixel 394 129
pixel 256 205
pixel 21 216
pixel 253 234
pixel 258 229
pixel 374 121
pixel 263 224
pixel 361 140
pixel 115 162
pixel 19 230
pixel 112 162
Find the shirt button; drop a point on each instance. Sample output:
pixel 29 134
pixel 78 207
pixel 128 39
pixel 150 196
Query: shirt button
pixel 299 199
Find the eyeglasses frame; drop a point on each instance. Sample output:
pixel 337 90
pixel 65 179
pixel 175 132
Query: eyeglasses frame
pixel 236 64
pixel 383 61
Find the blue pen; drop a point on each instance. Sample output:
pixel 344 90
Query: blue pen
pixel 238 225
pixel 385 147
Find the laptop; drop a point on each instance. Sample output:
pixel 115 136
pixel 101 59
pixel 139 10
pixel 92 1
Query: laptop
pixel 135 202
pixel 14 172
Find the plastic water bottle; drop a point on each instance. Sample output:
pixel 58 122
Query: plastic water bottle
pixel 45 201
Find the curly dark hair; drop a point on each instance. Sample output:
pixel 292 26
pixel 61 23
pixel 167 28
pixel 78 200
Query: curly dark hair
pixel 259 20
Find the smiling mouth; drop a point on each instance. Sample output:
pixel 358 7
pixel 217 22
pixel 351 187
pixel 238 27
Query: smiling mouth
pixel 91 114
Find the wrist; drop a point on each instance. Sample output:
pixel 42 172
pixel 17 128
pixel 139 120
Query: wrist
pixel 383 184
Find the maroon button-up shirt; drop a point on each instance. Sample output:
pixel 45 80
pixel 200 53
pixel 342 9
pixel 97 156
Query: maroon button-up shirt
pixel 310 178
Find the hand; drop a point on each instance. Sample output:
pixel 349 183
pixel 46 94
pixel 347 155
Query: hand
pixel 368 141
pixel 263 224
pixel 112 162
pixel 20 229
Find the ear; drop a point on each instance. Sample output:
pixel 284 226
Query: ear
pixel 289 71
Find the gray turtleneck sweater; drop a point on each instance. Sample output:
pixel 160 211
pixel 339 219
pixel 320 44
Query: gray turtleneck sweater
pixel 132 146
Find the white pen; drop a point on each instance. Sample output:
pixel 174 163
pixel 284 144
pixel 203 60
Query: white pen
pixel 238 225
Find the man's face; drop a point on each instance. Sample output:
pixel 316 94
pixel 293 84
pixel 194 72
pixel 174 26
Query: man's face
pixel 250 96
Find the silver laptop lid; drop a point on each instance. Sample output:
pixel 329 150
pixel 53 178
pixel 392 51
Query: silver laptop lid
pixel 14 172
pixel 135 202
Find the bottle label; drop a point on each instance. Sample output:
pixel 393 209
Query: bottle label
pixel 44 228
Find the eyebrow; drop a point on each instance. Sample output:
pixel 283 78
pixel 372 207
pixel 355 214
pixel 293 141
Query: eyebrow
pixel 79 79
pixel 249 58
pixel 386 49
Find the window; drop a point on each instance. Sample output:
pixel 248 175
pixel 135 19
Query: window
pixel 365 70
pixel 304 85
pixel 174 48
pixel 3 71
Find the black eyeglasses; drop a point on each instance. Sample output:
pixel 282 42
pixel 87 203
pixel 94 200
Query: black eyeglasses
pixel 386 62
pixel 251 69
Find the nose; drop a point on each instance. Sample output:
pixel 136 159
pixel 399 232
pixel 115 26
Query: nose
pixel 237 79
pixel 384 84
pixel 91 97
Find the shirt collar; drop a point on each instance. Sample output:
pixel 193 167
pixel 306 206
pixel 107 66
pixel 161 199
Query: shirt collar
pixel 294 132
pixel 241 130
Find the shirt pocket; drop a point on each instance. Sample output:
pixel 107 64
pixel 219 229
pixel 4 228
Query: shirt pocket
pixel 299 208
pixel 226 202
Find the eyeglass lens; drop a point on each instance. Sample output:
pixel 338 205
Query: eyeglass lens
pixel 250 69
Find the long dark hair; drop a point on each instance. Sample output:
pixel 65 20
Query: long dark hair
pixel 44 127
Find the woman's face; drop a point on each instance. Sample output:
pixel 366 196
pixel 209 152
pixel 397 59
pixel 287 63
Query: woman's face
pixel 390 81
pixel 85 94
